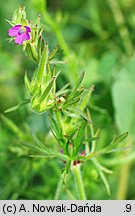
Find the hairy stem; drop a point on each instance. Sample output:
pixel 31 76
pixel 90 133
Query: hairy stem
pixel 79 182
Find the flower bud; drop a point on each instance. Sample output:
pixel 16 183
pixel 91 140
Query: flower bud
pixel 19 16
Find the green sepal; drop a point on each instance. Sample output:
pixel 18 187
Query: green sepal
pixel 27 82
pixel 42 64
pixel 39 48
pixel 34 86
pixel 19 15
pixel 53 53
pixel 46 91
pixel 29 52
pixel 42 45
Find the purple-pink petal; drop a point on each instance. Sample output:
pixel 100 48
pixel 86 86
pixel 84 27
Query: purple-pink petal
pixel 14 31
pixel 27 36
pixel 27 29
pixel 19 39
pixel 20 33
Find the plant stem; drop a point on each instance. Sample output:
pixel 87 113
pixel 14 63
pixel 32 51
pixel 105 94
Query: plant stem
pixel 87 147
pixel 59 187
pixel 124 175
pixel 79 182
pixel 123 182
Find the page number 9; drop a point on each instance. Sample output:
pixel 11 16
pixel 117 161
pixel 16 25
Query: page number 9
pixel 128 208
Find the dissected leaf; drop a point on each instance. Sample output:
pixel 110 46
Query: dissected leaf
pixel 76 86
pixel 102 176
pixel 55 128
pixel 119 138
pixel 79 137
pixel 26 101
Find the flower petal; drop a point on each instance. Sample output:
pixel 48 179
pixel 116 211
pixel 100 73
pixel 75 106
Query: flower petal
pixel 14 31
pixel 19 39
pixel 27 36
pixel 27 29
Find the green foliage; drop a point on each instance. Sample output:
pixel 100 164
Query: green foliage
pixel 124 93
pixel 27 140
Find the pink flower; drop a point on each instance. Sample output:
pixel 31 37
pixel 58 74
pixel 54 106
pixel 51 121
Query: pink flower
pixel 20 32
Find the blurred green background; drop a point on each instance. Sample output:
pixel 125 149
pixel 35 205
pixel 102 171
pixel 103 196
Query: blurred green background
pixel 98 37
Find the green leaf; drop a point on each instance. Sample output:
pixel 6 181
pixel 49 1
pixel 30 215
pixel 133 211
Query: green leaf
pixel 54 62
pixel 78 112
pixel 119 138
pixel 85 99
pixel 26 101
pixel 117 149
pixel 77 86
pixel 52 155
pixel 63 90
pixel 56 128
pixel 79 137
pixel 102 176
pixel 106 70
pixel 41 145
pixel 91 139
pixel 68 104
pixel 123 93
pixel 12 126
pixel 36 148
